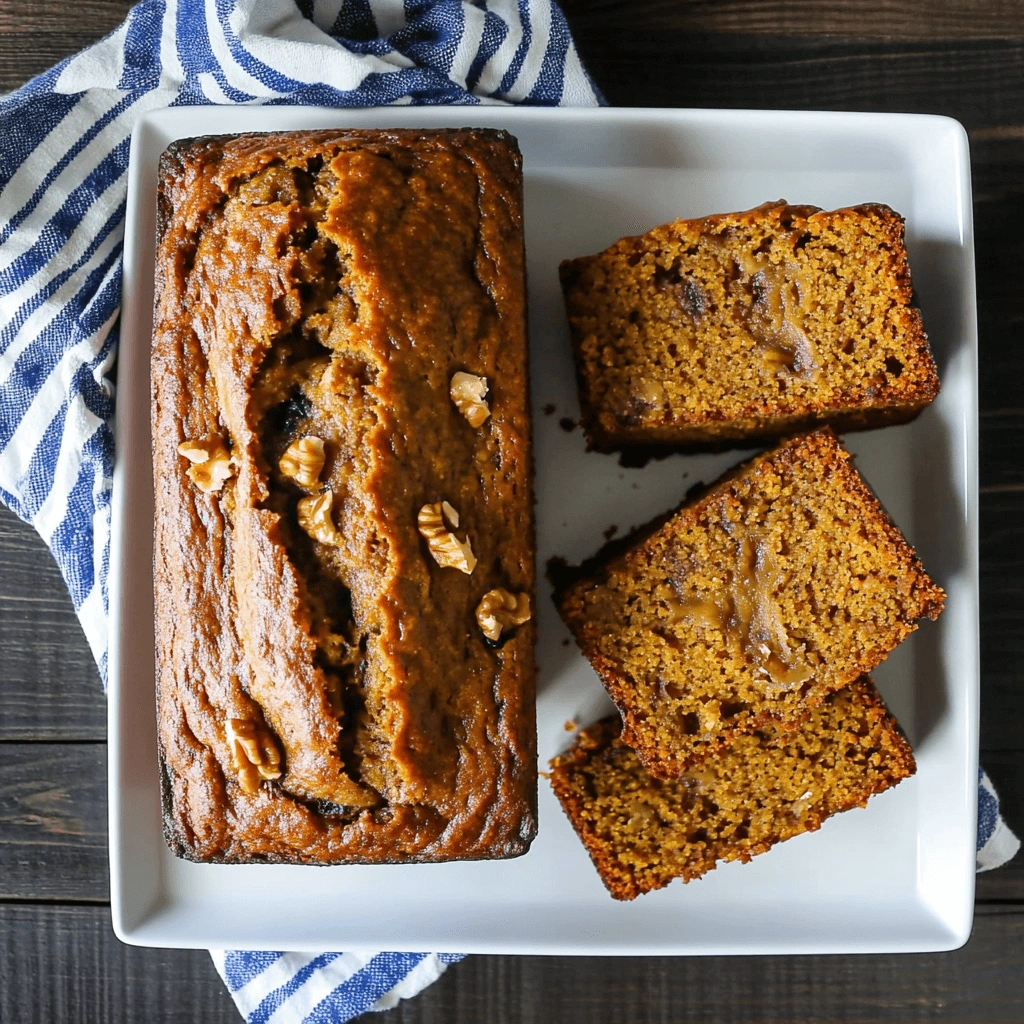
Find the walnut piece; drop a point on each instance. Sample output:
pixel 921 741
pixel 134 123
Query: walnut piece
pixel 467 391
pixel 436 523
pixel 303 461
pixel 314 515
pixel 211 462
pixel 254 753
pixel 499 610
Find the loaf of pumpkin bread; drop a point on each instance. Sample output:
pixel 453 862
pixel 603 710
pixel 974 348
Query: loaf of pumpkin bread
pixel 344 546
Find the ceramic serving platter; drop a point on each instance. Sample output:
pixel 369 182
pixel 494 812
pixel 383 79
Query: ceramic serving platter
pixel 896 876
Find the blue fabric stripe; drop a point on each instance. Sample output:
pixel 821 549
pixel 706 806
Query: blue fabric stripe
pixel 551 80
pixel 493 36
pixel 72 540
pixel 364 988
pixel 355 22
pixel 240 967
pixel 516 64
pixel 196 54
pixel 432 34
pixel 265 1010
pixel 97 398
pixel 142 47
pixel 988 812
pixel 49 338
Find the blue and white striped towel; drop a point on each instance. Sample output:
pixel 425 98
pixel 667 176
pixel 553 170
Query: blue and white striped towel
pixel 62 200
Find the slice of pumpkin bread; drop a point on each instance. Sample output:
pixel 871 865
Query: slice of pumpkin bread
pixel 770 785
pixel 785 581
pixel 748 326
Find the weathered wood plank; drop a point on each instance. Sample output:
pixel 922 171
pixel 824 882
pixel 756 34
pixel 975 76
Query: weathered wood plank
pixel 64 964
pixel 37 36
pixel 53 822
pixel 853 19
pixel 49 686
pixel 981 83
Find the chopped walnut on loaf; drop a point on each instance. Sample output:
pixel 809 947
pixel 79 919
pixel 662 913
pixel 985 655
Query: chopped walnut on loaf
pixel 304 461
pixel 314 514
pixel 254 753
pixel 436 523
pixel 499 610
pixel 211 462
pixel 468 391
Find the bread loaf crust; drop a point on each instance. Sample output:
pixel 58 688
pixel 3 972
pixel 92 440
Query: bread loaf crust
pixel 328 285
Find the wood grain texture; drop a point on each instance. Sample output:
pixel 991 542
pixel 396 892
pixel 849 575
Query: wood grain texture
pixel 60 963
pixel 63 965
pixel 53 822
pixel 980 82
pixel 34 36
pixel 863 19
pixel 49 685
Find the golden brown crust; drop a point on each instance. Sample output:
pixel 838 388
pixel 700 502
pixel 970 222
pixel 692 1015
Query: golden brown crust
pixel 328 285
pixel 735 328
pixel 782 582
pixel 642 832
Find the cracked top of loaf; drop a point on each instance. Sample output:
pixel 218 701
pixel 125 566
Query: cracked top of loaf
pixel 342 464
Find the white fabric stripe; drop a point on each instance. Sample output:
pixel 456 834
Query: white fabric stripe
pixel 211 88
pixel 425 973
pixel 41 317
pixel 99 67
pixel 24 182
pixel 540 35
pixel 1002 846
pixel 325 13
pixel 399 60
pixel 172 74
pixel 310 56
pixel 472 32
pixel 494 70
pixel 576 90
pixel 388 15
pixel 235 75
pixel 99 148
pixel 16 456
pixel 317 987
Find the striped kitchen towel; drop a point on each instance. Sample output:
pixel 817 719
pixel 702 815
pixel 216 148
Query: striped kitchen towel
pixel 62 200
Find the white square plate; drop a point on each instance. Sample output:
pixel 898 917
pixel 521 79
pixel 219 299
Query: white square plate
pixel 897 876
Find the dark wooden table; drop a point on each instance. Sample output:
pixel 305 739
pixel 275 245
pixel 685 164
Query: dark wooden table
pixel 59 960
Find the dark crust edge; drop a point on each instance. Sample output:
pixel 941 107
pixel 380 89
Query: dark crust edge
pixel 620 881
pixel 171 165
pixel 639 444
pixel 594 572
